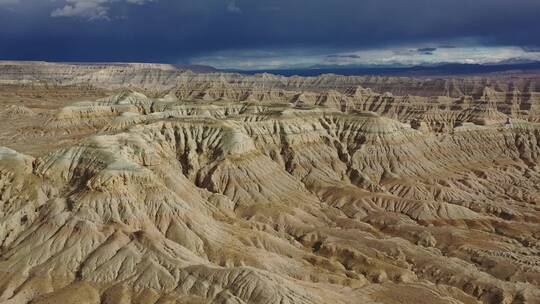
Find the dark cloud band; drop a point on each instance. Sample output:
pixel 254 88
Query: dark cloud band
pixel 177 30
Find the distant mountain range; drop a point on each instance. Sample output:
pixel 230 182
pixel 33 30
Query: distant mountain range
pixel 446 69
pixel 192 67
pixel 431 70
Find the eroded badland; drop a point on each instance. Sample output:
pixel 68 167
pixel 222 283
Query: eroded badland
pixel 149 184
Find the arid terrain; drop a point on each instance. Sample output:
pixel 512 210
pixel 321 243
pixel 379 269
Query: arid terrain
pixel 143 183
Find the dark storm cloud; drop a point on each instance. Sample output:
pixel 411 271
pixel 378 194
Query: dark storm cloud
pixel 350 56
pixel 529 49
pixel 176 30
pixel 426 51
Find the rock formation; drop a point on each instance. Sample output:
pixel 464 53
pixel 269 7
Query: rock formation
pixel 158 185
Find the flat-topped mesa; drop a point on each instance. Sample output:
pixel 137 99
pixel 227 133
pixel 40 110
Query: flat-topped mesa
pixel 404 108
pixel 227 91
pixel 409 100
pixel 150 76
pixel 99 113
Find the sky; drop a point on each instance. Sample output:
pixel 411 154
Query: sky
pixel 272 34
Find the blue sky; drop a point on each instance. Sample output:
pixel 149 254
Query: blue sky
pixel 264 34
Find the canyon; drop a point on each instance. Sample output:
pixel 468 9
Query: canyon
pixel 149 183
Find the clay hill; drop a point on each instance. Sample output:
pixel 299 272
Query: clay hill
pixel 137 183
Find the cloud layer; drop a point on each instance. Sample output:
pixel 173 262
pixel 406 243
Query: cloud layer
pixel 90 9
pixel 193 30
pixel 253 60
